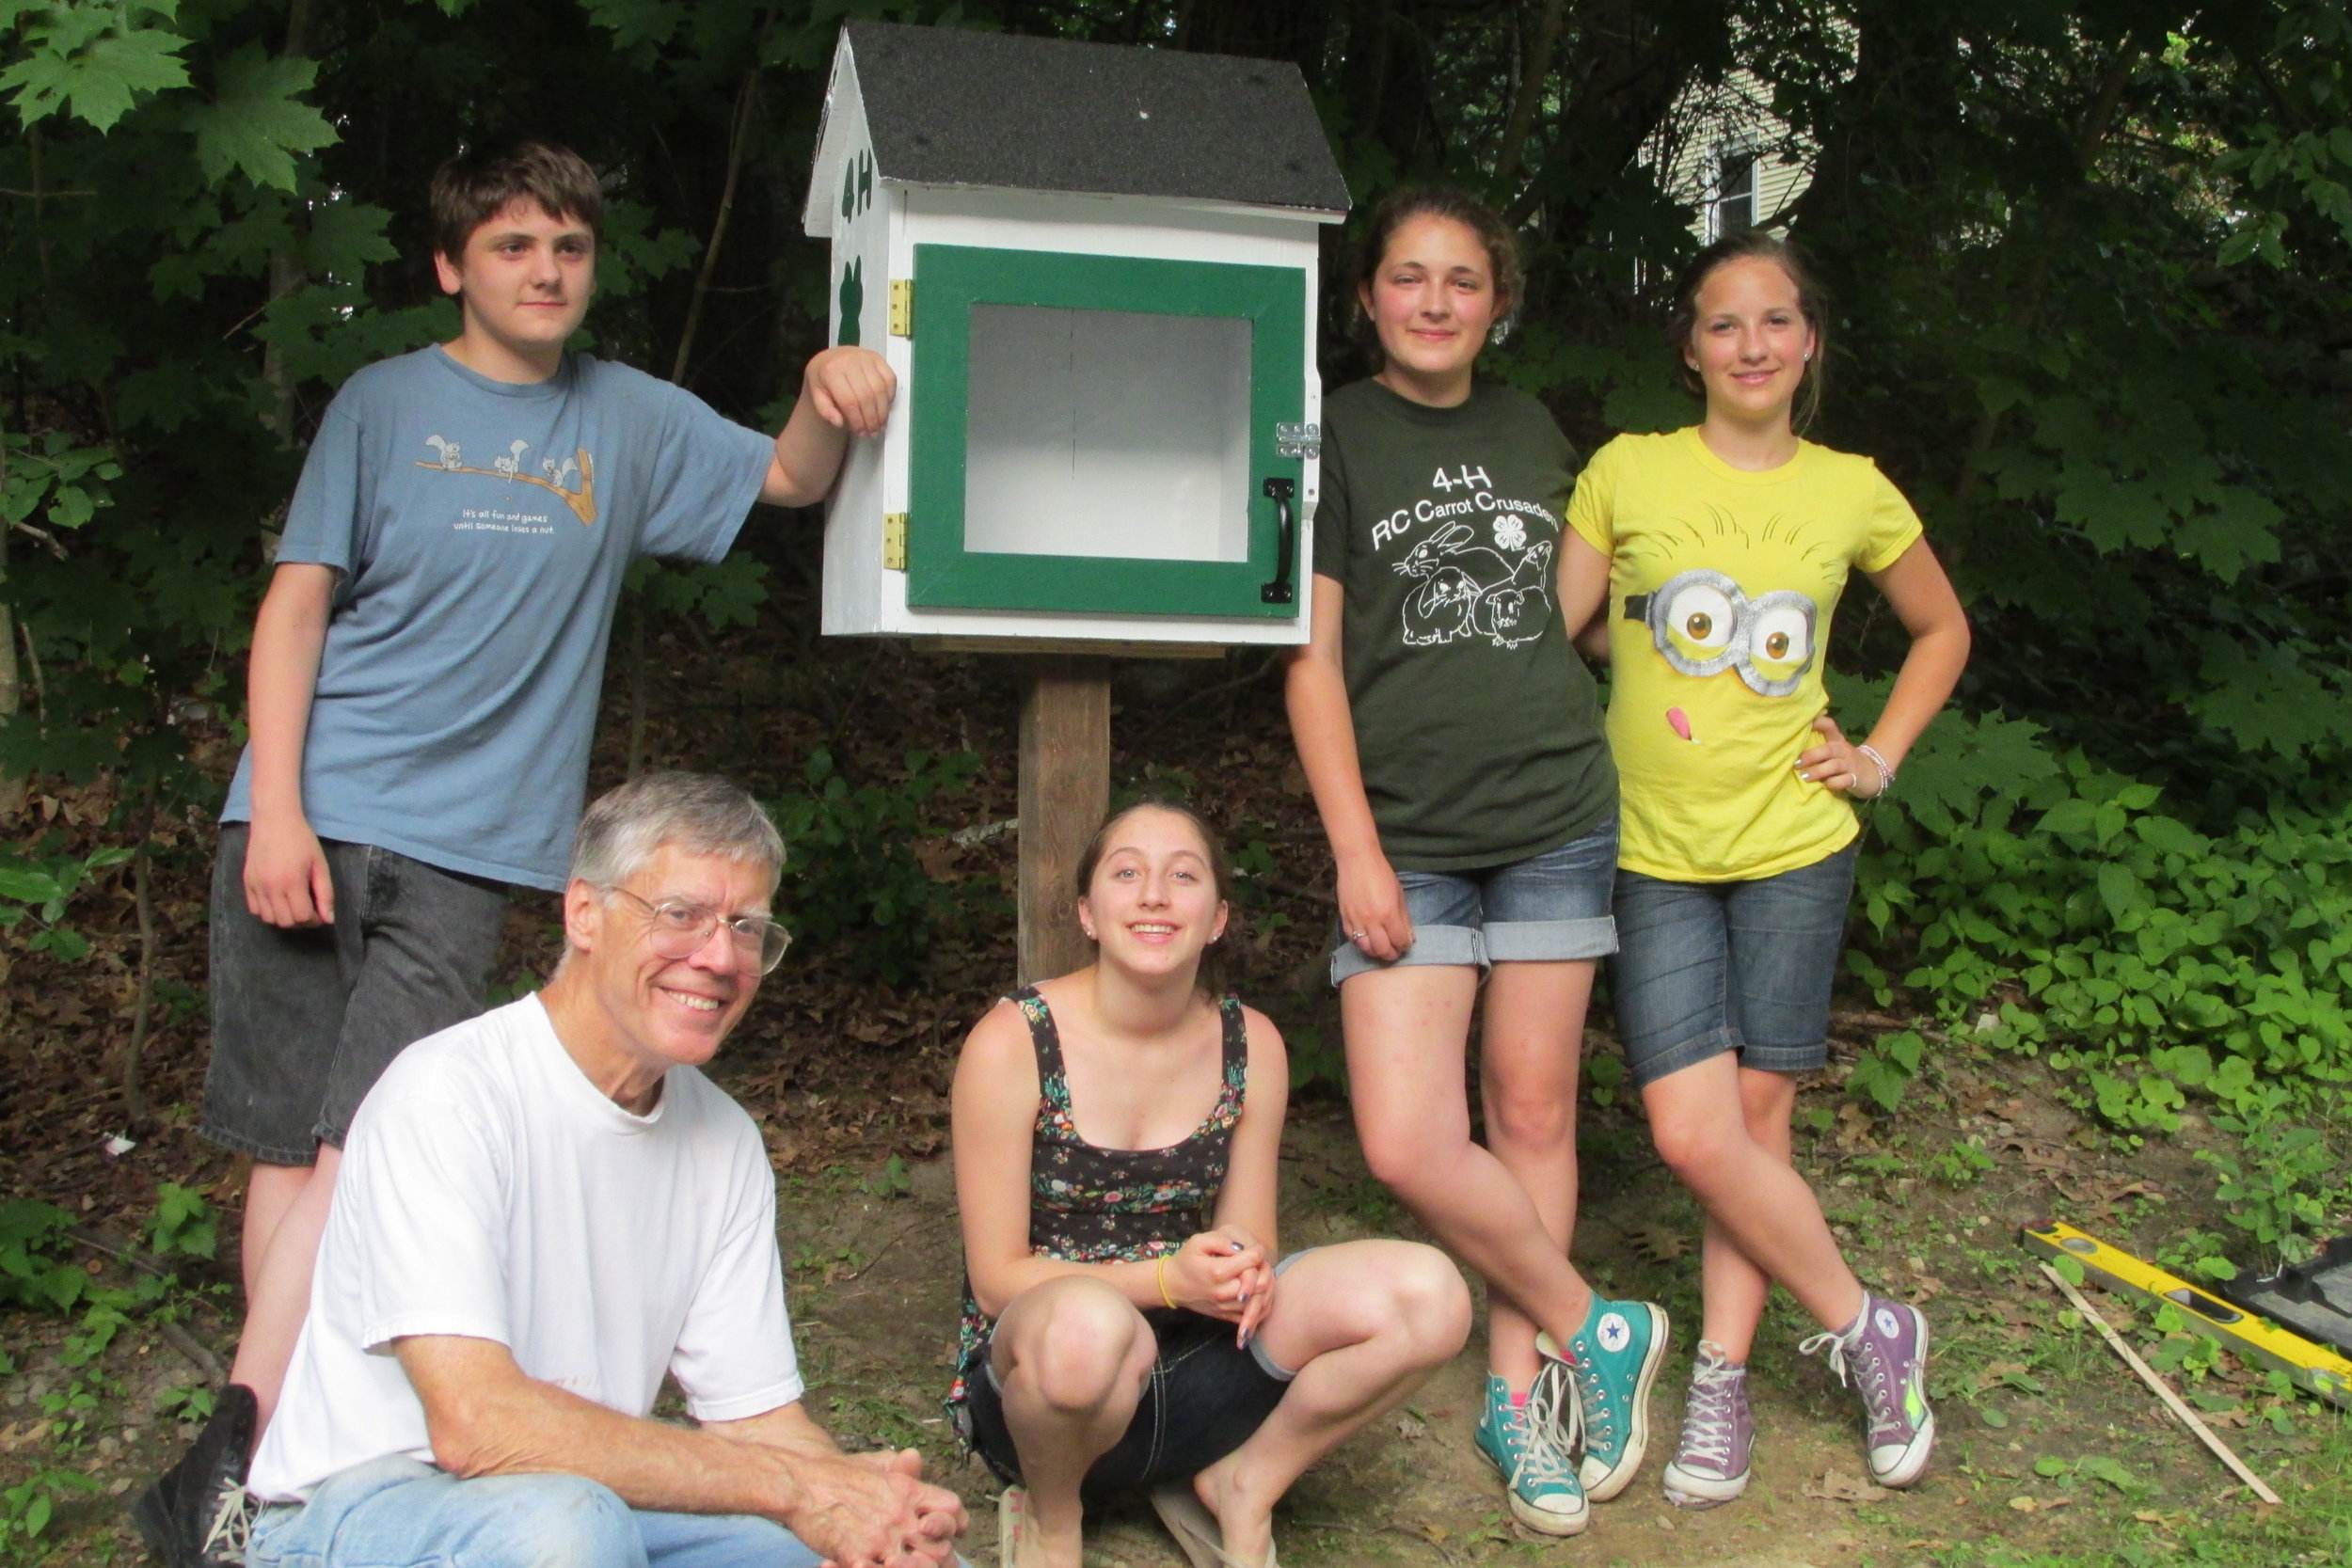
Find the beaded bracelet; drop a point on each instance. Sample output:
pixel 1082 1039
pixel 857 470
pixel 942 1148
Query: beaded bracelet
pixel 1886 774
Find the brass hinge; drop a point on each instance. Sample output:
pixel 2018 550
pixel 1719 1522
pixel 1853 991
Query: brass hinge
pixel 902 306
pixel 894 540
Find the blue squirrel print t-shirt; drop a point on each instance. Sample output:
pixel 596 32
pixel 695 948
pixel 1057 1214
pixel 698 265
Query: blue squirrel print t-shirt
pixel 480 531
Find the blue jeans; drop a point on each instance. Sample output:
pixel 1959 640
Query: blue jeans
pixel 394 1513
pixel 1710 967
pixel 1547 908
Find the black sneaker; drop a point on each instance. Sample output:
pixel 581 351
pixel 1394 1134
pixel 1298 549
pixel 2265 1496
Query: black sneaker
pixel 195 1515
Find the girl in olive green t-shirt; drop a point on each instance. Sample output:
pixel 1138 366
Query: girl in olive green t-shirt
pixel 1452 738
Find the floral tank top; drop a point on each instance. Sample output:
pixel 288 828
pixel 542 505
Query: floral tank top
pixel 1093 1205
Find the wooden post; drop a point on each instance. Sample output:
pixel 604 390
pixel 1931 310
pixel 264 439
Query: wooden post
pixel 1065 789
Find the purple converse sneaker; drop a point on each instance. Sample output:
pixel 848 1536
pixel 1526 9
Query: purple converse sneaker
pixel 1886 1350
pixel 1710 1464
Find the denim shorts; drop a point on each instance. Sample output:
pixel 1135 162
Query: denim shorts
pixel 304 1021
pixel 1710 967
pixel 1206 1396
pixel 1547 908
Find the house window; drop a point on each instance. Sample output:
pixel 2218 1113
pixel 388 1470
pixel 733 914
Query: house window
pixel 1735 194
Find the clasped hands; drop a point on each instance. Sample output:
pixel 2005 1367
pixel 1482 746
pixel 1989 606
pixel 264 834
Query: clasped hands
pixel 1223 1272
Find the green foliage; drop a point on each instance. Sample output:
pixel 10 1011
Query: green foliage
pixel 2065 911
pixel 35 889
pixel 27 1508
pixel 34 1271
pixel 2284 1186
pixel 38 1274
pixel 255 124
pixel 1884 1070
pixel 185 1223
pixel 91 59
pixel 851 882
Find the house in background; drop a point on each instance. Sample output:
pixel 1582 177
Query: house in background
pixel 1722 150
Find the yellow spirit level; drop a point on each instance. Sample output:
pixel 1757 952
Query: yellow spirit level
pixel 2313 1368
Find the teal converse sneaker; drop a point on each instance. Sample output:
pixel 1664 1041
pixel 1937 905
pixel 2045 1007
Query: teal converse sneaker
pixel 1614 1359
pixel 1523 1443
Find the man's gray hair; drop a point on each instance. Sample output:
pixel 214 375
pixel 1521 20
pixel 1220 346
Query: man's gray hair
pixel 701 814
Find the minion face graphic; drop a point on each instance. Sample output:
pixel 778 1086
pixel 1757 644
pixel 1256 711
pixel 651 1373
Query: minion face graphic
pixel 1704 623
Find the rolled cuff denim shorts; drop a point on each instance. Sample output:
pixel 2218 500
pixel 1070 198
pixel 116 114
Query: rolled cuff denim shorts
pixel 1549 908
pixel 1710 967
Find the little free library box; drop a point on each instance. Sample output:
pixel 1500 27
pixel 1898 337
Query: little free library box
pixel 1093 269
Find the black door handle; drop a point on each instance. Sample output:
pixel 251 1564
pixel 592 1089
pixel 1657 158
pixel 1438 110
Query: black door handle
pixel 1286 548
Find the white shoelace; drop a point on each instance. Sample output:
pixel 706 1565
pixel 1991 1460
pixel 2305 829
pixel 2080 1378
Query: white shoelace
pixel 1544 1440
pixel 231 1526
pixel 1710 1417
pixel 1875 1381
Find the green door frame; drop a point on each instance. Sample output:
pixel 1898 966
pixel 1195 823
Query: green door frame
pixel 949 281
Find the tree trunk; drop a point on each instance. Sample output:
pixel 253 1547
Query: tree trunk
pixel 285 269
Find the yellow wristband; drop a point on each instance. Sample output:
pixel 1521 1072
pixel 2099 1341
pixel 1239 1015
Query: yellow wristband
pixel 1161 1274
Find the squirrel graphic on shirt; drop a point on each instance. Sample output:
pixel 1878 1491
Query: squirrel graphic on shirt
pixel 582 500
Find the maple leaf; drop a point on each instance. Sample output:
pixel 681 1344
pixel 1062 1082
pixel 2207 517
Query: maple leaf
pixel 97 83
pixel 255 123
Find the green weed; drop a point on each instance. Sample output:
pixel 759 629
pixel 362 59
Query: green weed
pixel 851 878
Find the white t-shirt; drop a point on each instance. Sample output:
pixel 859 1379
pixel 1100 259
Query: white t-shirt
pixel 488 1190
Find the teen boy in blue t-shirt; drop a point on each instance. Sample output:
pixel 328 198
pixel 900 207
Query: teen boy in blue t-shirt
pixel 424 690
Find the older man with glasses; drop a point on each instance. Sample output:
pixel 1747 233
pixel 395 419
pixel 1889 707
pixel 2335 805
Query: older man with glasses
pixel 544 1210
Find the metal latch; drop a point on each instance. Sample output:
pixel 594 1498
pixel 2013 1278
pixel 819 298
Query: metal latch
pixel 894 540
pixel 902 306
pixel 1289 440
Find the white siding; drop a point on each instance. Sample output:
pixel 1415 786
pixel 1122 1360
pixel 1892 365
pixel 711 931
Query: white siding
pixel 1713 121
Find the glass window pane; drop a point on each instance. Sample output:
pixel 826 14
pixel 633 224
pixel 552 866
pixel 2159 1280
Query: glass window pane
pixel 1735 208
pixel 1107 433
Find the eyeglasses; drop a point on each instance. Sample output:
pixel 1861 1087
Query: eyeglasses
pixel 681 926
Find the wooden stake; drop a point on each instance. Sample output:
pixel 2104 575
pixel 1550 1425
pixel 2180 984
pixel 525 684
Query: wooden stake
pixel 2172 1400
pixel 1065 789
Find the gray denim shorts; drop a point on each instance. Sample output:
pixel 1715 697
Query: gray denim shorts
pixel 305 1021
pixel 1547 908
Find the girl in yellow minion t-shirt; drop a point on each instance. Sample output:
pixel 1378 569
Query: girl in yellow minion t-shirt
pixel 1721 552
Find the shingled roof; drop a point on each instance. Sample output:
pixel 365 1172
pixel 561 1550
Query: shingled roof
pixel 947 106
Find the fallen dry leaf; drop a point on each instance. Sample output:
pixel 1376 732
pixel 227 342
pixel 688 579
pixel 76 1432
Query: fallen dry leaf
pixel 1835 1487
pixel 1660 1244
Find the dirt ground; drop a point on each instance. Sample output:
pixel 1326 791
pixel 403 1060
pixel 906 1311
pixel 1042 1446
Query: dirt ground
pixel 2050 1455
pixel 2024 1397
pixel 875 1281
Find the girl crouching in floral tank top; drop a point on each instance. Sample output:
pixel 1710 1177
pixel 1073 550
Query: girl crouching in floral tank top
pixel 1126 1325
